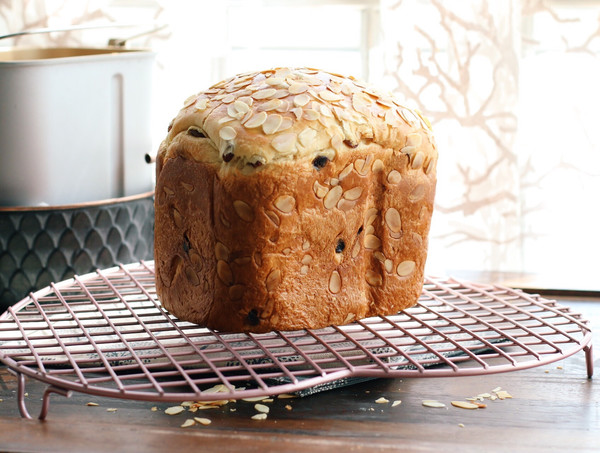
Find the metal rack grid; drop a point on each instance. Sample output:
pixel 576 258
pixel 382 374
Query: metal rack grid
pixel 106 334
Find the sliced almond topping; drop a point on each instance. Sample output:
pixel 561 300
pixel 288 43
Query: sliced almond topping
pixel 264 93
pixel 271 104
pixel 286 123
pixel 273 280
pixel 373 278
pixel 394 177
pixel 393 220
pixel 408 150
pixel 256 120
pixel 361 166
pixel 346 205
pixel 177 218
pixel 311 115
pixel 228 133
pixel 224 273
pixel 379 256
pixel 187 186
pixel 372 242
pixel 285 203
pixel 247 116
pixel 392 118
pixel 221 251
pixel 192 276
pixel 243 210
pixel 241 106
pixel 417 161
pixel 307 137
pixel 259 416
pixel 280 94
pixel 285 143
pixel 228 99
pixel 353 194
pixel 405 268
pixel 329 96
pixel 337 142
pixel 335 282
pixel 371 215
pixel 225 119
pixel 246 99
pixel 273 217
pixel 298 112
pixel 320 191
pixel 301 100
pixel 275 81
pixel 414 139
pixel 349 318
pixel 389 265
pixel 408 116
pixel 417 193
pixel 234 113
pixel 325 111
pixel 345 172
pixel 201 104
pixel 297 87
pixel 430 166
pixel 272 123
pixel 332 197
pixel 377 165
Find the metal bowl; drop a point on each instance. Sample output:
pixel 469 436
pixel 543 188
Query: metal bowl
pixel 40 245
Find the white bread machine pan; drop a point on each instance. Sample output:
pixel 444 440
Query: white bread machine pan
pixel 74 124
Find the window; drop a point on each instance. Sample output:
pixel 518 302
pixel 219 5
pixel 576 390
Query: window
pixel 511 88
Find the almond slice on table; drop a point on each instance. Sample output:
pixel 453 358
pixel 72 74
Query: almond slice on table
pixel 433 403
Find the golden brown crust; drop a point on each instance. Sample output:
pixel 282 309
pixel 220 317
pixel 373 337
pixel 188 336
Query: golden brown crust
pixel 323 232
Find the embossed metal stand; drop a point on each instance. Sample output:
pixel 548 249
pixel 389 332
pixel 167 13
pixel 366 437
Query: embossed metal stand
pixel 106 334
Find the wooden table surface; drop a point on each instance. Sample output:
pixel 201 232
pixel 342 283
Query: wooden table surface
pixel 553 408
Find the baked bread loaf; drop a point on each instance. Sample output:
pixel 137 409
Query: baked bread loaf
pixel 292 198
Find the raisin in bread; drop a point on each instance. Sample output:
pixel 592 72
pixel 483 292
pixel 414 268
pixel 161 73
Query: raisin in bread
pixel 292 198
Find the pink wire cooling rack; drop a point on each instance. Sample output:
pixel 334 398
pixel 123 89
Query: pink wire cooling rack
pixel 106 334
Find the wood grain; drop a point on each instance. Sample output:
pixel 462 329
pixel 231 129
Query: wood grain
pixel 552 409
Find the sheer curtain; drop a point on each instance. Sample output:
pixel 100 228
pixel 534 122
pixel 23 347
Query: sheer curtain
pixel 512 90
pixel 510 86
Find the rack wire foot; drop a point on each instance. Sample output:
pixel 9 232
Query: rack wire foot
pixel 589 361
pixel 45 399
